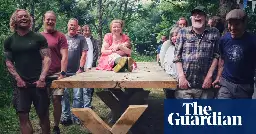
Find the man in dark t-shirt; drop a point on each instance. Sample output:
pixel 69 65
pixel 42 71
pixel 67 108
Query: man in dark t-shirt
pixel 237 63
pixel 28 60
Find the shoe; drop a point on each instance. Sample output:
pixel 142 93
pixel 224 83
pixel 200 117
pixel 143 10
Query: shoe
pixel 56 130
pixel 77 121
pixel 66 122
pixel 130 64
pixel 120 64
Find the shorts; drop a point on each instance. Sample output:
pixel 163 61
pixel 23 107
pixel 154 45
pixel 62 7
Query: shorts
pixel 194 93
pixel 231 90
pixel 24 97
pixel 57 91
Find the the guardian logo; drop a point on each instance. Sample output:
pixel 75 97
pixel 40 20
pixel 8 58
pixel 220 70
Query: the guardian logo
pixel 202 115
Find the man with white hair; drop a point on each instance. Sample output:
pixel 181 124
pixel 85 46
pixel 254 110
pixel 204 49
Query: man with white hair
pixel 196 57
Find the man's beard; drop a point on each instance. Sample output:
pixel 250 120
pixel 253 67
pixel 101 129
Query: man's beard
pixel 49 29
pixel 198 25
pixel 23 28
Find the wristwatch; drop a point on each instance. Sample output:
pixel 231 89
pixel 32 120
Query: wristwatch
pixel 63 73
pixel 81 68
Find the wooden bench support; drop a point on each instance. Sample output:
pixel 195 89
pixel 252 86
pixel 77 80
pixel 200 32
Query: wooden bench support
pixel 97 126
pixel 128 118
pixel 91 120
pixel 118 101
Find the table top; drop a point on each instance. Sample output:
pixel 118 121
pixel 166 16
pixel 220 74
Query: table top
pixel 147 75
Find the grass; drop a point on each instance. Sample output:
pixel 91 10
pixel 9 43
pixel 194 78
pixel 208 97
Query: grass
pixel 150 122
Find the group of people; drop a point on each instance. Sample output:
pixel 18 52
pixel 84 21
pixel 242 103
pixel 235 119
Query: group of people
pixel 207 63
pixel 36 59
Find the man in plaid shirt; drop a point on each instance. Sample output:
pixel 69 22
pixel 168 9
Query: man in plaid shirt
pixel 196 57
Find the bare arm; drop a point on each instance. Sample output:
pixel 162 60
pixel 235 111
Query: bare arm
pixel 105 50
pixel 212 68
pixel 46 56
pixel 124 49
pixel 10 65
pixel 220 68
pixel 180 70
pixel 64 59
pixel 83 58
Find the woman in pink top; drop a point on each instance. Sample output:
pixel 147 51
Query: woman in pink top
pixel 116 49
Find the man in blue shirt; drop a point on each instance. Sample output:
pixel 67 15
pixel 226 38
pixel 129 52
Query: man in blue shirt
pixel 237 64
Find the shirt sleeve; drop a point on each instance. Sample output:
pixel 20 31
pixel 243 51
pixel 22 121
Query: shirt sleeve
pixel 43 42
pixel 126 38
pixel 107 38
pixel 7 49
pixel 84 44
pixel 216 51
pixel 220 47
pixel 63 42
pixel 179 47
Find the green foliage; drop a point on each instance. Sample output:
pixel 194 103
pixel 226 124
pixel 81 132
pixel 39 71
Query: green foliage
pixel 9 123
pixel 251 21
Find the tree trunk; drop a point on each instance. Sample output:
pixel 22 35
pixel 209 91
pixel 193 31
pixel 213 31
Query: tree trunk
pixel 32 13
pixel 226 6
pixel 100 22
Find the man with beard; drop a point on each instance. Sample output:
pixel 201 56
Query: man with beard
pixel 237 64
pixel 59 55
pixel 77 51
pixel 196 57
pixel 28 60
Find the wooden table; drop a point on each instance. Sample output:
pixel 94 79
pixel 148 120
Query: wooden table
pixel 126 107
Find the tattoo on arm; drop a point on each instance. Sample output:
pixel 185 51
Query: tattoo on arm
pixel 10 66
pixel 45 52
pixel 12 69
pixel 46 62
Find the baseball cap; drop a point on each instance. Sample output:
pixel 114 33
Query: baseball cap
pixel 236 14
pixel 200 9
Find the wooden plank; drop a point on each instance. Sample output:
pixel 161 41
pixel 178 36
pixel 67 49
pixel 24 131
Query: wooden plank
pixel 128 118
pixel 91 120
pixel 148 75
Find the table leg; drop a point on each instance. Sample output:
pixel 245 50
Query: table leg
pixel 118 101
pixel 97 126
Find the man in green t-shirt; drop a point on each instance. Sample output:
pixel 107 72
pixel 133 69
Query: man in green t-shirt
pixel 28 60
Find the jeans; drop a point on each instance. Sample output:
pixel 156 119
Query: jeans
pixel 82 98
